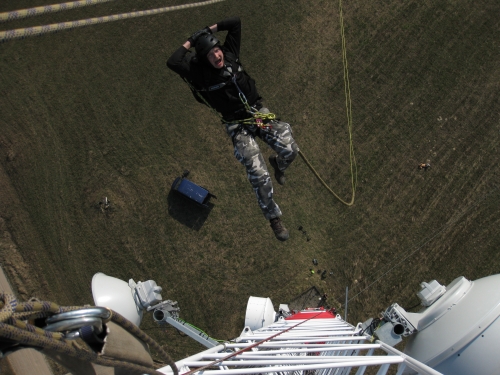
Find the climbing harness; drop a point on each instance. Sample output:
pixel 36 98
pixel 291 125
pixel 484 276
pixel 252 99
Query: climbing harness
pixel 262 119
pixel 72 332
pixel 257 118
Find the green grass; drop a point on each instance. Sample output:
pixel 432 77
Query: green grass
pixel 94 112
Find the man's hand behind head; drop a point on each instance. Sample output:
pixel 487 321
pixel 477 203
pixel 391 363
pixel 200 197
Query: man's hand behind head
pixel 193 38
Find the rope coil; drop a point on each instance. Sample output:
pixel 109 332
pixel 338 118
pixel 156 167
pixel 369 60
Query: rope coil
pixel 12 328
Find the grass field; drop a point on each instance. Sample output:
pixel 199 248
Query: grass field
pixel 94 112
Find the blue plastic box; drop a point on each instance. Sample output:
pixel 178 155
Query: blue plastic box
pixel 194 192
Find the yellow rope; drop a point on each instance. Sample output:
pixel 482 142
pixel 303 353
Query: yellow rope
pixel 24 13
pixel 352 159
pixel 347 91
pixel 39 30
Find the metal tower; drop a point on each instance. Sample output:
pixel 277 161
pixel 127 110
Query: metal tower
pixel 313 341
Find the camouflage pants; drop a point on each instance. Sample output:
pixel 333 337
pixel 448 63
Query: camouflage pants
pixel 279 137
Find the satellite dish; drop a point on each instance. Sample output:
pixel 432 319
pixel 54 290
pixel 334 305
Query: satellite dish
pixel 458 333
pixel 260 313
pixel 117 295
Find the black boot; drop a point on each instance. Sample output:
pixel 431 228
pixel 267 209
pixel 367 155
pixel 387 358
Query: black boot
pixel 278 175
pixel 279 230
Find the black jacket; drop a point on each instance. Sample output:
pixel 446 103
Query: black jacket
pixel 216 85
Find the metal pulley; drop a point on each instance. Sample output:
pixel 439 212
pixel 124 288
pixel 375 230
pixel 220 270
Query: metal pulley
pixel 86 324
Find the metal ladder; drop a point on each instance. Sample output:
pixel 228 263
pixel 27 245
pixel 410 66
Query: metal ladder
pixel 308 346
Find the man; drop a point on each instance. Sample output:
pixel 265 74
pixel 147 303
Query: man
pixel 218 80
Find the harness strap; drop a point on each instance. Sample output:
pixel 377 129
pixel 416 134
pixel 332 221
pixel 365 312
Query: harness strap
pixel 214 87
pixel 257 118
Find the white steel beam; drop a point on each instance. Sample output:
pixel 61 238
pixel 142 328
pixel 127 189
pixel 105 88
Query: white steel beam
pixel 321 346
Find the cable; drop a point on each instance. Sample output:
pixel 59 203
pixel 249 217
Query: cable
pixel 426 241
pixel 372 327
pixel 39 30
pixel 30 12
pixel 248 347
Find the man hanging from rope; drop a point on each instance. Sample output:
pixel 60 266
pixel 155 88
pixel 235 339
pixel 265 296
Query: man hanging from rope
pixel 217 79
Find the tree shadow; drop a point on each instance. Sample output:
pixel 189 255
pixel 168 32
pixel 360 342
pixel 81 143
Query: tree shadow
pixel 186 211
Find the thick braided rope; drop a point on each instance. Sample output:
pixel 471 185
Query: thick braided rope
pixel 10 307
pixel 69 349
pixel 134 330
pixel 30 12
pixel 31 328
pixel 28 337
pixel 33 309
pixel 24 333
pixel 39 30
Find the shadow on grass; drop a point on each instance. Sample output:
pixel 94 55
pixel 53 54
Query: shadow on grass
pixel 310 298
pixel 186 211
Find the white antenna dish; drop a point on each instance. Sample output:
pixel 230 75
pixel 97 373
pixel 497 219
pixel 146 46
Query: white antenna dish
pixel 117 295
pixel 458 333
pixel 260 313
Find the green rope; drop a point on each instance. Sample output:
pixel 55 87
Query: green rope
pixel 259 119
pixel 199 329
pixel 348 104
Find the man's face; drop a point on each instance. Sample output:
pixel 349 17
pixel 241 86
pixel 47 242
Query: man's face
pixel 216 57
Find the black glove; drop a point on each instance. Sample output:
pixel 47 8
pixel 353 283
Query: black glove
pixel 193 38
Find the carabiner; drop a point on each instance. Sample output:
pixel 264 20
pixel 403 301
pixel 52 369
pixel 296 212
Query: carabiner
pixel 93 312
pixel 77 323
